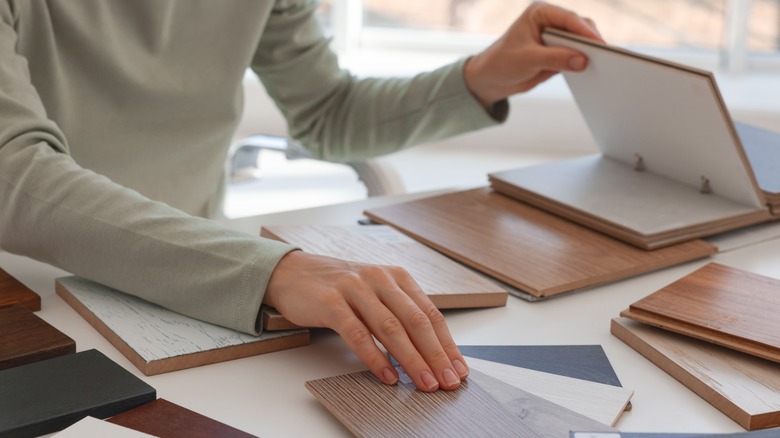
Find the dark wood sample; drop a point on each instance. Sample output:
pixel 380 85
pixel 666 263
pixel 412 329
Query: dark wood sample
pixel 12 292
pixel 26 338
pixel 719 304
pixel 164 419
pixel 482 406
pixel 50 395
pixel 744 387
pixel 527 248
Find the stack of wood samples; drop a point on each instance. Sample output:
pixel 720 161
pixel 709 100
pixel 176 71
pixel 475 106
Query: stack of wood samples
pixel 482 406
pixel 719 304
pixel 534 251
pixel 745 388
pixel 157 340
pixel 13 292
pixel 26 338
pixel 50 395
pixel 671 166
pixel 448 284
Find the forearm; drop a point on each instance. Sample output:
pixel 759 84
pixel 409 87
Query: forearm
pixel 59 213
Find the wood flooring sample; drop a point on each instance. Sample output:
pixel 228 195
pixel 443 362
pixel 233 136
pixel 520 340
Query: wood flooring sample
pixel 600 402
pixel 481 407
pixel 158 340
pixel 50 395
pixel 12 291
pixel 164 419
pixel 527 248
pixel 448 284
pixel 26 338
pixel 92 427
pixel 744 387
pixel 719 304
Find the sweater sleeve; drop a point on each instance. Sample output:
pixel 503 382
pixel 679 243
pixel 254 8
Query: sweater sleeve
pixel 342 118
pixel 53 210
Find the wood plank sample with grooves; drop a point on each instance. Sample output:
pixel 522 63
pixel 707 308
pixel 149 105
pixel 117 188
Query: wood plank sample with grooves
pixel 26 338
pixel 744 387
pixel 448 284
pixel 525 247
pixel 12 292
pixel 481 407
pixel 158 340
pixel 50 395
pixel 164 419
pixel 719 304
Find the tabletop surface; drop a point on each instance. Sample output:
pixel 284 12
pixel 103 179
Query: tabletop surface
pixel 265 395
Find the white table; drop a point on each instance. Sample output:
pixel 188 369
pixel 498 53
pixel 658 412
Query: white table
pixel 265 395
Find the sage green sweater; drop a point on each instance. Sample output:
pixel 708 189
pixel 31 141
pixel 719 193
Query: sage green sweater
pixel 116 115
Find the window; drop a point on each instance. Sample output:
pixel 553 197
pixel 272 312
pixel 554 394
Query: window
pixel 733 35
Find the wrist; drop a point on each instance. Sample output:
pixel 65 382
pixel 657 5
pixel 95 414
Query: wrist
pixel 479 88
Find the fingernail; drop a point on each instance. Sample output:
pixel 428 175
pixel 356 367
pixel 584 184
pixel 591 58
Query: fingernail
pixel 576 63
pixel 460 368
pixel 429 381
pixel 390 377
pixel 450 377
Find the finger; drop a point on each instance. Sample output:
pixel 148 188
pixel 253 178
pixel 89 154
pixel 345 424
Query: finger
pixel 549 15
pixel 426 328
pixel 393 329
pixel 438 323
pixel 360 340
pixel 555 59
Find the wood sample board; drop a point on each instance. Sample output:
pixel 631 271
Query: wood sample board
pixel 744 387
pixel 157 340
pixel 532 250
pixel 163 419
pixel 13 292
pixel 448 284
pixel 50 395
pixel 720 304
pixel 671 168
pixel 481 407
pixel 26 338
pixel 600 402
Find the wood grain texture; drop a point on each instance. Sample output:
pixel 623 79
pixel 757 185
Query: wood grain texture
pixel 90 427
pixel 481 407
pixel 26 338
pixel 50 395
pixel 164 419
pixel 719 304
pixel 744 387
pixel 523 246
pixel 157 340
pixel 448 284
pixel 12 292
pixel 600 402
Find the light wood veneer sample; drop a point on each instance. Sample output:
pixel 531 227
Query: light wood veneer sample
pixel 448 284
pixel 527 248
pixel 719 304
pixel 744 387
pixel 481 407
pixel 157 340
